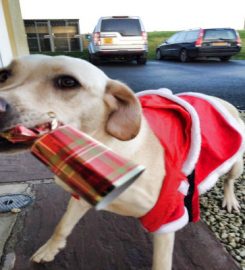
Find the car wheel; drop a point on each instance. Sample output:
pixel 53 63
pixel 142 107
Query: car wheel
pixel 141 60
pixel 225 58
pixel 183 56
pixel 159 55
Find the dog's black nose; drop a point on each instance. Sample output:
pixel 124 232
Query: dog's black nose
pixel 4 105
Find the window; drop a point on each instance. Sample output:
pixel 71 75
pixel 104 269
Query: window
pixel 53 35
pixel 191 36
pixel 172 39
pixel 44 43
pixel 75 44
pixel 32 42
pixel 180 38
pixel 61 44
pixel 126 27
pixel 214 34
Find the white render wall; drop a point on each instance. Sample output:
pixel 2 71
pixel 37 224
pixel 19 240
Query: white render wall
pixel 12 34
pixel 5 47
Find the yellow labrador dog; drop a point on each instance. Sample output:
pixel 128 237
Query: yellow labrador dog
pixel 83 96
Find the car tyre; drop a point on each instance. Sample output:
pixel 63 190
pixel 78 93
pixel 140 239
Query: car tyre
pixel 141 60
pixel 225 58
pixel 159 55
pixel 183 56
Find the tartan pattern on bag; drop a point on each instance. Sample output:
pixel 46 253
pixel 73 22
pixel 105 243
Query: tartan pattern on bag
pixel 91 169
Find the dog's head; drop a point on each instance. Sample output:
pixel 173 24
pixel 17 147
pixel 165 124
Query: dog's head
pixel 73 90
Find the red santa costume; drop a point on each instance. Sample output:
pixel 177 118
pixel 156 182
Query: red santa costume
pixel 201 142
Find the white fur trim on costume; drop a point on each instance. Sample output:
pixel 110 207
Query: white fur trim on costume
pixel 195 146
pixel 212 178
pixel 174 225
pixel 184 187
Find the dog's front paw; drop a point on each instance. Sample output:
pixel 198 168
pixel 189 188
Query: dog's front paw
pixel 48 251
pixel 230 202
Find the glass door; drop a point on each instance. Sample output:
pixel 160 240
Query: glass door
pixel 45 37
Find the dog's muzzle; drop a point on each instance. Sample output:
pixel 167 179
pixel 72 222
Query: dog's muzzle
pixel 4 106
pixel 9 117
pixel 5 111
pixel 23 128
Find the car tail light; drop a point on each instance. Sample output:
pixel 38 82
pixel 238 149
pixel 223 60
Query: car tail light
pixel 144 36
pixel 199 41
pixel 96 38
pixel 238 39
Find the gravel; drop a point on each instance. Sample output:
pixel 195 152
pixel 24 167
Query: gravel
pixel 229 228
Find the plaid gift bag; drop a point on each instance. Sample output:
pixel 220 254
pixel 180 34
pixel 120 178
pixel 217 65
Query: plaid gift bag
pixel 90 168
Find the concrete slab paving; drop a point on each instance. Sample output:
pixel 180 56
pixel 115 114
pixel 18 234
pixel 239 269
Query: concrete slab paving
pixel 101 240
pixel 13 188
pixel 104 241
pixel 22 167
pixel 7 220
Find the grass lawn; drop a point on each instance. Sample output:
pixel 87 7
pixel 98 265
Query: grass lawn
pixel 154 39
pixel 241 55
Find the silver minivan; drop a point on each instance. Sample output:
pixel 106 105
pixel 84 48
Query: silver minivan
pixel 120 38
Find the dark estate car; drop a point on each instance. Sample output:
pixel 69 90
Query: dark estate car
pixel 186 45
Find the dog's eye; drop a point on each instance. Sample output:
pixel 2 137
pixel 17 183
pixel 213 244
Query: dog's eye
pixel 64 82
pixel 4 75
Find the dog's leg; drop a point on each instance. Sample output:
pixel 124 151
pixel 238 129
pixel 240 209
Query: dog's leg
pixel 75 210
pixel 230 200
pixel 163 245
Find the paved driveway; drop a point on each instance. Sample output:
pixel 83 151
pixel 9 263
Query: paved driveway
pixel 103 241
pixel 225 80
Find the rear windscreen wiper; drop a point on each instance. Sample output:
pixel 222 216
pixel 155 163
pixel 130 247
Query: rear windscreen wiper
pixel 225 39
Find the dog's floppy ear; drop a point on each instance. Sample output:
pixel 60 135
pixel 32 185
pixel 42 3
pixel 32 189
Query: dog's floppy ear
pixel 124 116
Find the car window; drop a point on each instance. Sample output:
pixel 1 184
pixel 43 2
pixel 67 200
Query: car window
pixel 214 34
pixel 126 27
pixel 180 38
pixel 191 36
pixel 172 39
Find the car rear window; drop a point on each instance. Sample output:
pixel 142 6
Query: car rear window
pixel 219 34
pixel 126 27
